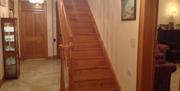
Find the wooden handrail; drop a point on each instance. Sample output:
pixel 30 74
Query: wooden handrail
pixel 64 23
pixel 65 47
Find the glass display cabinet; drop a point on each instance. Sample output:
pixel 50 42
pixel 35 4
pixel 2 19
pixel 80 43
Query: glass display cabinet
pixel 10 47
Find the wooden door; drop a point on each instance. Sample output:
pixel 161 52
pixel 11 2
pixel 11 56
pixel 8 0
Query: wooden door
pixel 33 31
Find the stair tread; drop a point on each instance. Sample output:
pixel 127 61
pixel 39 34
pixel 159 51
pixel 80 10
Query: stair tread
pixel 96 85
pixel 87 57
pixel 92 74
pixel 89 48
pixel 87 54
pixel 95 89
pixel 86 38
pixel 83 33
pixel 85 29
pixel 85 41
pixel 88 64
pixel 81 24
pixel 95 52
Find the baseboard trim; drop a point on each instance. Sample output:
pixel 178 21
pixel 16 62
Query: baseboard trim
pixel 104 50
pixel 49 57
pixel 52 57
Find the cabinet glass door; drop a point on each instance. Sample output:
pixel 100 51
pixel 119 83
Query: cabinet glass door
pixel 9 37
pixel 10 63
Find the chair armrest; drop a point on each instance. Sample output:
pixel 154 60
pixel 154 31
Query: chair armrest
pixel 163 47
pixel 161 56
pixel 166 67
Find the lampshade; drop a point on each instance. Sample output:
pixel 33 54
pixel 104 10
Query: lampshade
pixel 173 10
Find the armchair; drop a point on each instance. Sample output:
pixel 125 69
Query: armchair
pixel 160 52
pixel 163 76
pixel 163 69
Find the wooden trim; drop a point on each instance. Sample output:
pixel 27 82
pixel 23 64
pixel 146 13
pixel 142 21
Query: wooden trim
pixel 146 45
pixel 104 50
pixel 66 43
pixel 1 82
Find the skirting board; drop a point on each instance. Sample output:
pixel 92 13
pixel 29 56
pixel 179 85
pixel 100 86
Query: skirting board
pixel 52 57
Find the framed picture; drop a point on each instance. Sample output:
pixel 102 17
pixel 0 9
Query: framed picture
pixel 3 3
pixel 128 11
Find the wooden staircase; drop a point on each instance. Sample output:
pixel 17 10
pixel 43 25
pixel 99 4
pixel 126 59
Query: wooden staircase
pixel 89 67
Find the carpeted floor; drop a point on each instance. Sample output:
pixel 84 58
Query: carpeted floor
pixel 175 79
pixel 36 75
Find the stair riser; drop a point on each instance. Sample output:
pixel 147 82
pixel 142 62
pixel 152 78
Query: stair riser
pixel 95 74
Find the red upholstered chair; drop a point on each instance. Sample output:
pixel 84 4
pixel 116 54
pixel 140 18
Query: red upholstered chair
pixel 163 69
pixel 160 52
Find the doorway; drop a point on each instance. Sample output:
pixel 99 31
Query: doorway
pixel 34 22
pixel 168 41
pixel 33 30
pixel 147 45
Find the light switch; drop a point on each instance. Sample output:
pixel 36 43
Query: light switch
pixel 133 43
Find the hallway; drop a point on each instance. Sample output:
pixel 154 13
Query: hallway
pixel 36 75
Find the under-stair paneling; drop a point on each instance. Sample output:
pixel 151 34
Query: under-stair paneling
pixel 120 39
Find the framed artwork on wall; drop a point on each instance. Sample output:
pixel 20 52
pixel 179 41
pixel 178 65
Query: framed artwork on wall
pixel 128 11
pixel 3 3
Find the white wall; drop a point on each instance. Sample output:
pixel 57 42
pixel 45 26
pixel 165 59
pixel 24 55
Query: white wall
pixel 54 27
pixel 120 39
pixel 50 28
pixel 51 22
pixel 4 12
pixel 165 8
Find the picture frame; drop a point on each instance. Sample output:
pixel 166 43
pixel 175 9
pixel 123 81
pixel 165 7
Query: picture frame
pixel 3 3
pixel 128 11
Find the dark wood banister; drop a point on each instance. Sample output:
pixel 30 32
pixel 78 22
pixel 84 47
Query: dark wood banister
pixel 65 47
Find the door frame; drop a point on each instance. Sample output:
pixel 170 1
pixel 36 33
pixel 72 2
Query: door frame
pixel 146 45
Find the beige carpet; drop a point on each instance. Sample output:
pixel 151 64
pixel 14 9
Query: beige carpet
pixel 36 75
pixel 175 79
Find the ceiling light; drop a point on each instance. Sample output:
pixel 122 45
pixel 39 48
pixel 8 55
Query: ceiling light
pixel 37 1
